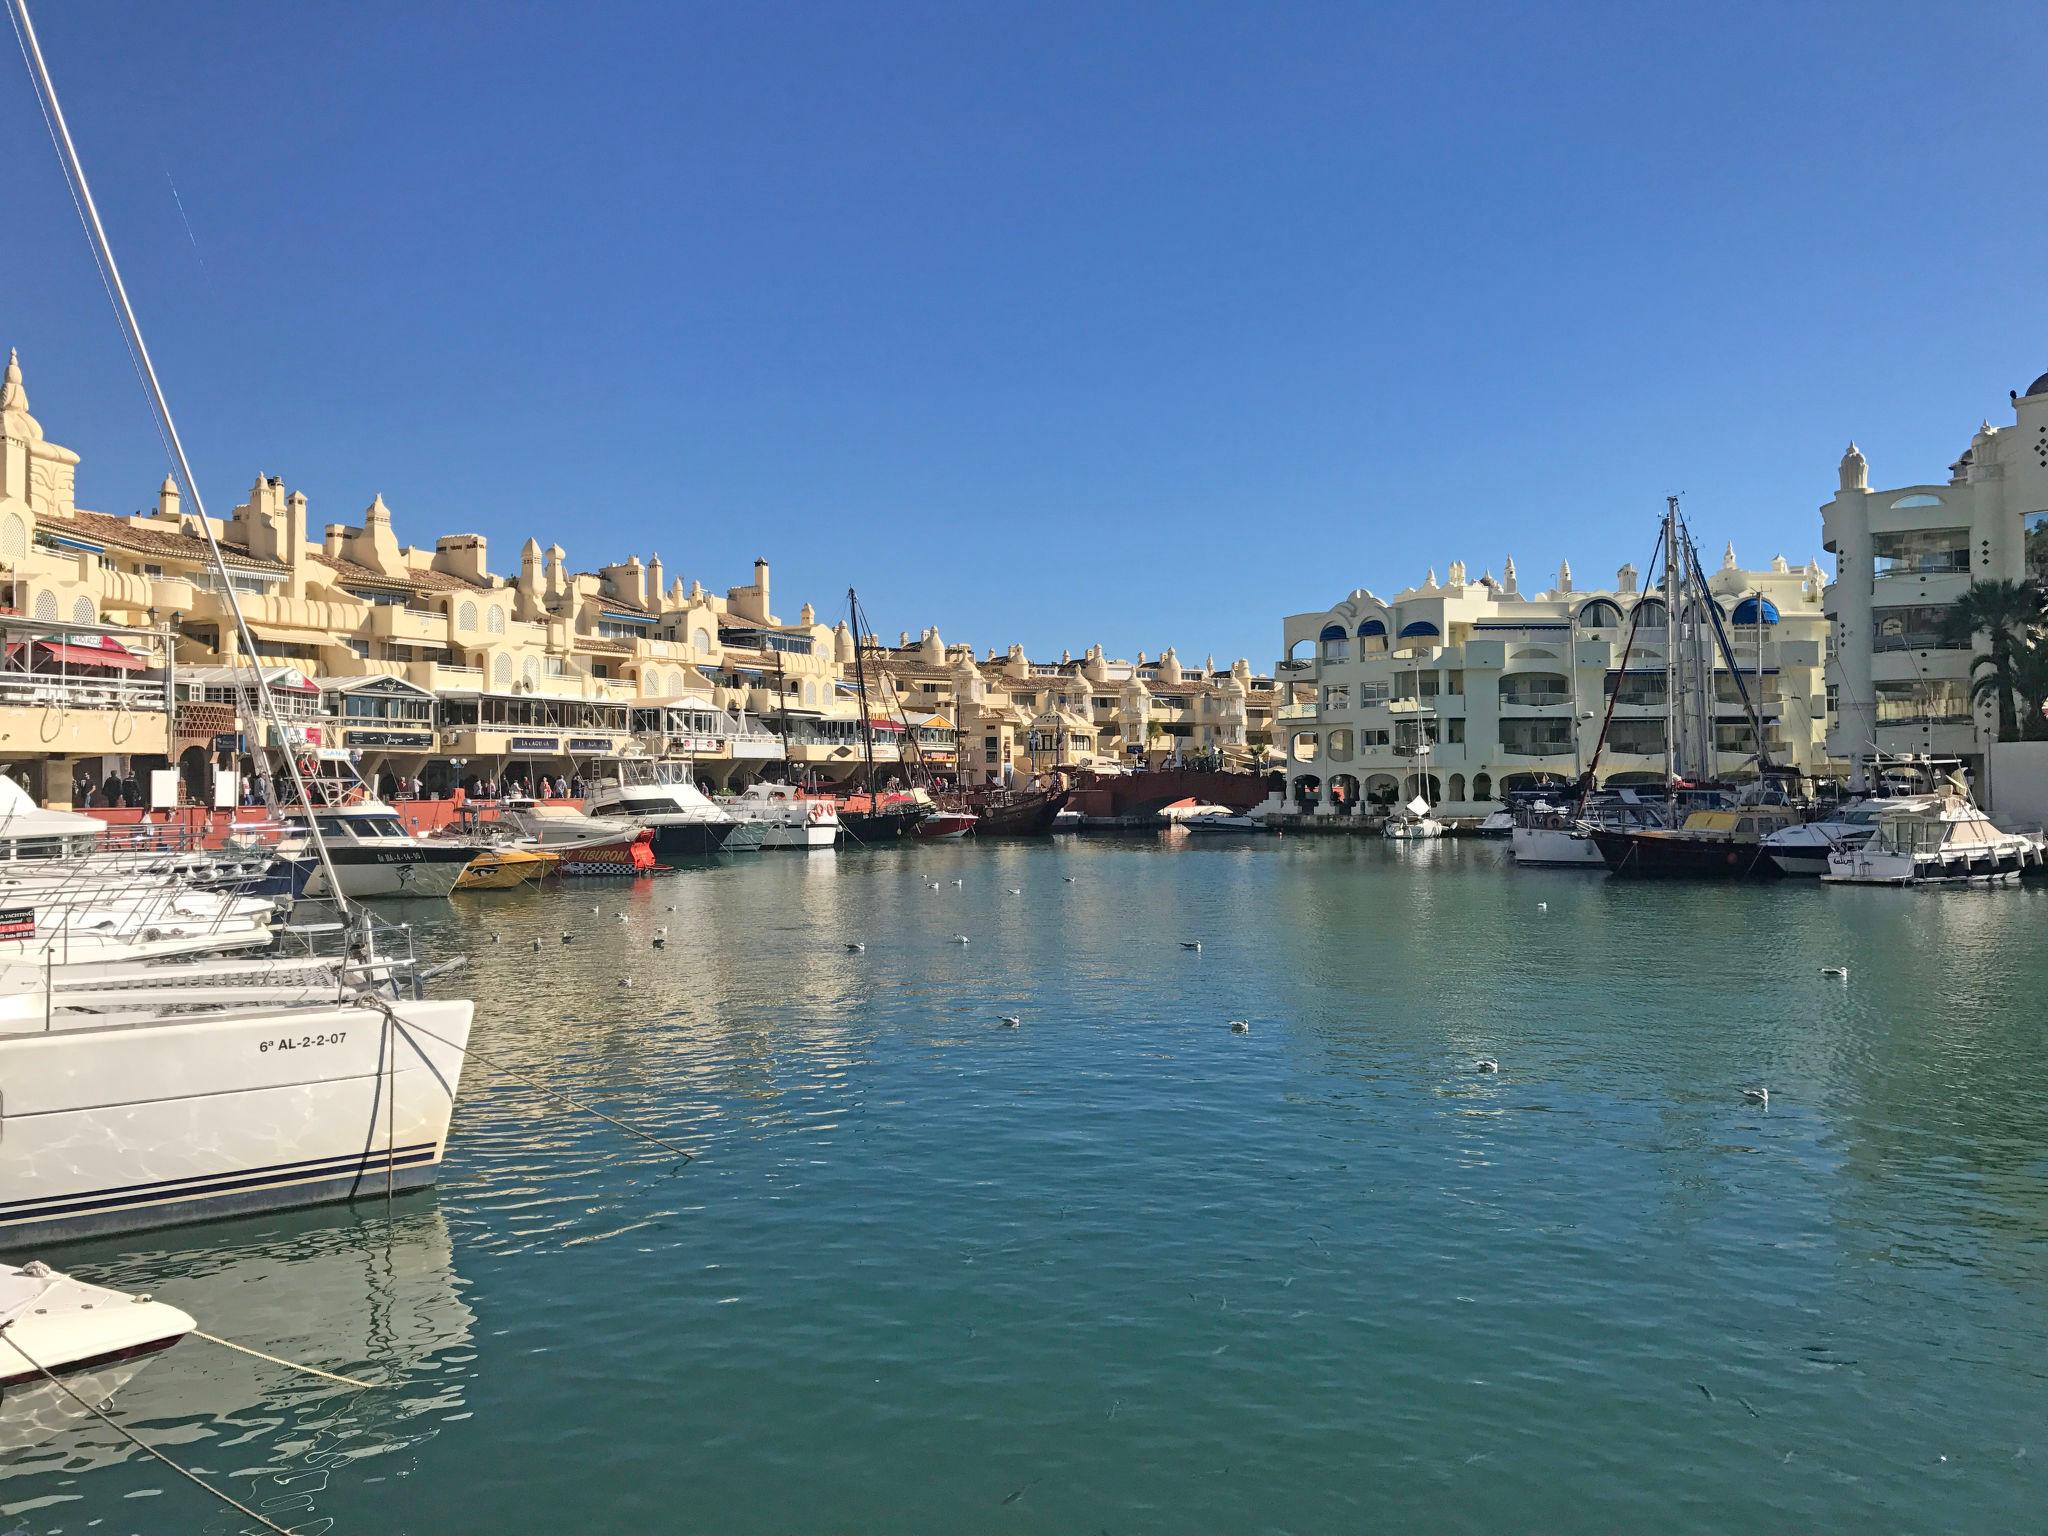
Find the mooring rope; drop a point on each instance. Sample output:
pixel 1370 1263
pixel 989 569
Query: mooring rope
pixel 141 1444
pixel 366 1000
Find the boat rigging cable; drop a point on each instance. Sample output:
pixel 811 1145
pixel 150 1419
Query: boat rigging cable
pixel 1635 618
pixel 138 352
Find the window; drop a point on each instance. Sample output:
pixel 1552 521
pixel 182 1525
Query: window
pixel 700 637
pixel 376 596
pixel 1454 730
pixel 1931 701
pixel 1337 697
pixel 554 666
pixel 1372 693
pixel 494 619
pixel 1335 645
pixel 1834 696
pixel 1921 552
pixel 465 616
pixel 1914 628
pixel 81 611
pixel 2034 539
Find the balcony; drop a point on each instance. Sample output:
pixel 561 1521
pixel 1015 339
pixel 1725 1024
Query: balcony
pixel 393 621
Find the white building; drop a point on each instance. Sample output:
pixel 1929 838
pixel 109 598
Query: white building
pixel 1462 691
pixel 1902 556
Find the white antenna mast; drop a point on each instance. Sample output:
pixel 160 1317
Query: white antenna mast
pixel 74 169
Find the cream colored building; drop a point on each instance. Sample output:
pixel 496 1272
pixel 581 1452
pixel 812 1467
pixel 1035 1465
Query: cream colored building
pixel 1463 690
pixel 431 664
pixel 1902 556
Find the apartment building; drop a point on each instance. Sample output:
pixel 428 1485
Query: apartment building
pixel 1903 556
pixel 1463 690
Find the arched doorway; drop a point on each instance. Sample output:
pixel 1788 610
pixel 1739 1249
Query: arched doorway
pixel 1457 788
pixel 1344 793
pixel 1307 788
pixel 1423 784
pixel 1482 786
pixel 1382 789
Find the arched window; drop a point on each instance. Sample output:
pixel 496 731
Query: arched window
pixel 1920 500
pixel 1303 748
pixel 501 669
pixel 46 605
pixel 1752 611
pixel 1600 614
pixel 81 611
pixel 1338 744
pixel 1652 614
pixel 1336 645
pixel 13 537
pixel 1482 786
pixel 465 616
pixel 530 669
pixel 701 639
pixel 1457 786
pixel 494 619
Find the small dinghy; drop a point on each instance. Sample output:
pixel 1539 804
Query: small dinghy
pixel 90 1339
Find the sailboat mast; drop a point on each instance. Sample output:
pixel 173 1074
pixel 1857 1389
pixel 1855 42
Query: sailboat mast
pixel 1674 710
pixel 103 252
pixel 860 683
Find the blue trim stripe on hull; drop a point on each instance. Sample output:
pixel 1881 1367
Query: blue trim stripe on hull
pixel 170 1200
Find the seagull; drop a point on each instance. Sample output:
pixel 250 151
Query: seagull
pixel 594 911
pixel 536 943
pixel 622 917
pixel 959 938
pixel 958 883
pixel 854 949
pixel 661 943
pixel 935 885
pixel 1195 944
pixel 1758 1096
pixel 1542 906
pixel 1240 1026
pixel 568 938
pixel 497 938
pixel 625 981
pixel 1011 1021
pixel 1014 890
pixel 661 932
pixel 1839 972
pixel 1486 1064
pixel 1069 879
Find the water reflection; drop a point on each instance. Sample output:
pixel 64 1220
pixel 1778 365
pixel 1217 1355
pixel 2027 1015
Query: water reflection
pixel 366 1297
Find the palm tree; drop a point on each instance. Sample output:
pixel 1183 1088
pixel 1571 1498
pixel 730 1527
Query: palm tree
pixel 2030 680
pixel 2007 611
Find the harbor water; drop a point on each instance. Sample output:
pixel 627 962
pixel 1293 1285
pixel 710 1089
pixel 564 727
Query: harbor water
pixel 1118 1268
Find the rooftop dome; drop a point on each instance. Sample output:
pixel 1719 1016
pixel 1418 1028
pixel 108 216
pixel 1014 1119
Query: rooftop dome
pixel 2038 387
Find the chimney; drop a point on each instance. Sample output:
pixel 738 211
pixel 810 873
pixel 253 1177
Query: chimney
pixel 463 555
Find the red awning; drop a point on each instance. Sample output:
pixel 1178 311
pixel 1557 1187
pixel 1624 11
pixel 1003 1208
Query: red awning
pixel 105 654
pixel 885 725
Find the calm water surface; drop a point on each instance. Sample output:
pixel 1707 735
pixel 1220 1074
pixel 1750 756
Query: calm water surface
pixel 1122 1270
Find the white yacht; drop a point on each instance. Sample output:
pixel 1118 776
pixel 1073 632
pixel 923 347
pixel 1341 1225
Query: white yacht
pixel 585 844
pixel 1804 850
pixel 1555 836
pixel 369 847
pixel 786 818
pixel 91 1340
pixel 1935 839
pixel 659 794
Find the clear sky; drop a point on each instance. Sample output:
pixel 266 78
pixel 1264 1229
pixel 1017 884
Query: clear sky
pixel 1145 324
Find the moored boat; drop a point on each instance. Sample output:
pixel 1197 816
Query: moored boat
pixel 1715 845
pixel 943 824
pixel 67 1346
pixel 506 869
pixel 785 817
pixel 1936 840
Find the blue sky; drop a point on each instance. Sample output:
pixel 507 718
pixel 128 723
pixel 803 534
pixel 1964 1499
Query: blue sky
pixel 1144 324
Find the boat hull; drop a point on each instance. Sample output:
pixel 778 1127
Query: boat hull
pixel 200 1116
pixel 506 869
pixel 1555 847
pixel 424 869
pixel 680 841
pixel 878 826
pixel 1674 856
pixel 942 825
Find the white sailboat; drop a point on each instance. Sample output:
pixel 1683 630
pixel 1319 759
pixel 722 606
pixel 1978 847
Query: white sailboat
pixel 201 1089
pixel 66 1347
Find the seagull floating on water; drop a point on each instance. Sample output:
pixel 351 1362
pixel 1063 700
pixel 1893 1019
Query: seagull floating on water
pixel 854 949
pixel 1011 1021
pixel 661 943
pixel 594 911
pixel 959 882
pixel 497 938
pixel 1240 1026
pixel 1015 890
pixel 1758 1096
pixel 568 938
pixel 536 943
pixel 1190 943
pixel 959 938
pixel 1542 906
pixel 1068 878
pixel 1840 972
pixel 625 981
pixel 1486 1064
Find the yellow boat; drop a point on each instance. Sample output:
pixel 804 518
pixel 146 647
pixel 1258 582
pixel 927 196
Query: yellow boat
pixel 503 869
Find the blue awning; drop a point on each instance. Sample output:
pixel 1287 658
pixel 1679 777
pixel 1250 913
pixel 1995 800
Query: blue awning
pixel 1372 627
pixel 1746 611
pixel 1333 632
pixel 1419 627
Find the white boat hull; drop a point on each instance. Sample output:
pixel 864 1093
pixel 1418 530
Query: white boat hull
pixel 426 869
pixel 199 1116
pixel 805 836
pixel 1555 846
pixel 1412 831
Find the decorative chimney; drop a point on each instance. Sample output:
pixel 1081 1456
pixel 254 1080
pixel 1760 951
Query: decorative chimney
pixel 1855 470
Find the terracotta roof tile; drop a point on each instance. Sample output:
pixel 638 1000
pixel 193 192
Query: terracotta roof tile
pixel 411 581
pixel 122 534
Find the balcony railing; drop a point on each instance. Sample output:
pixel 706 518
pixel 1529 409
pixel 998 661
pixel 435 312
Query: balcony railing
pixel 50 691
